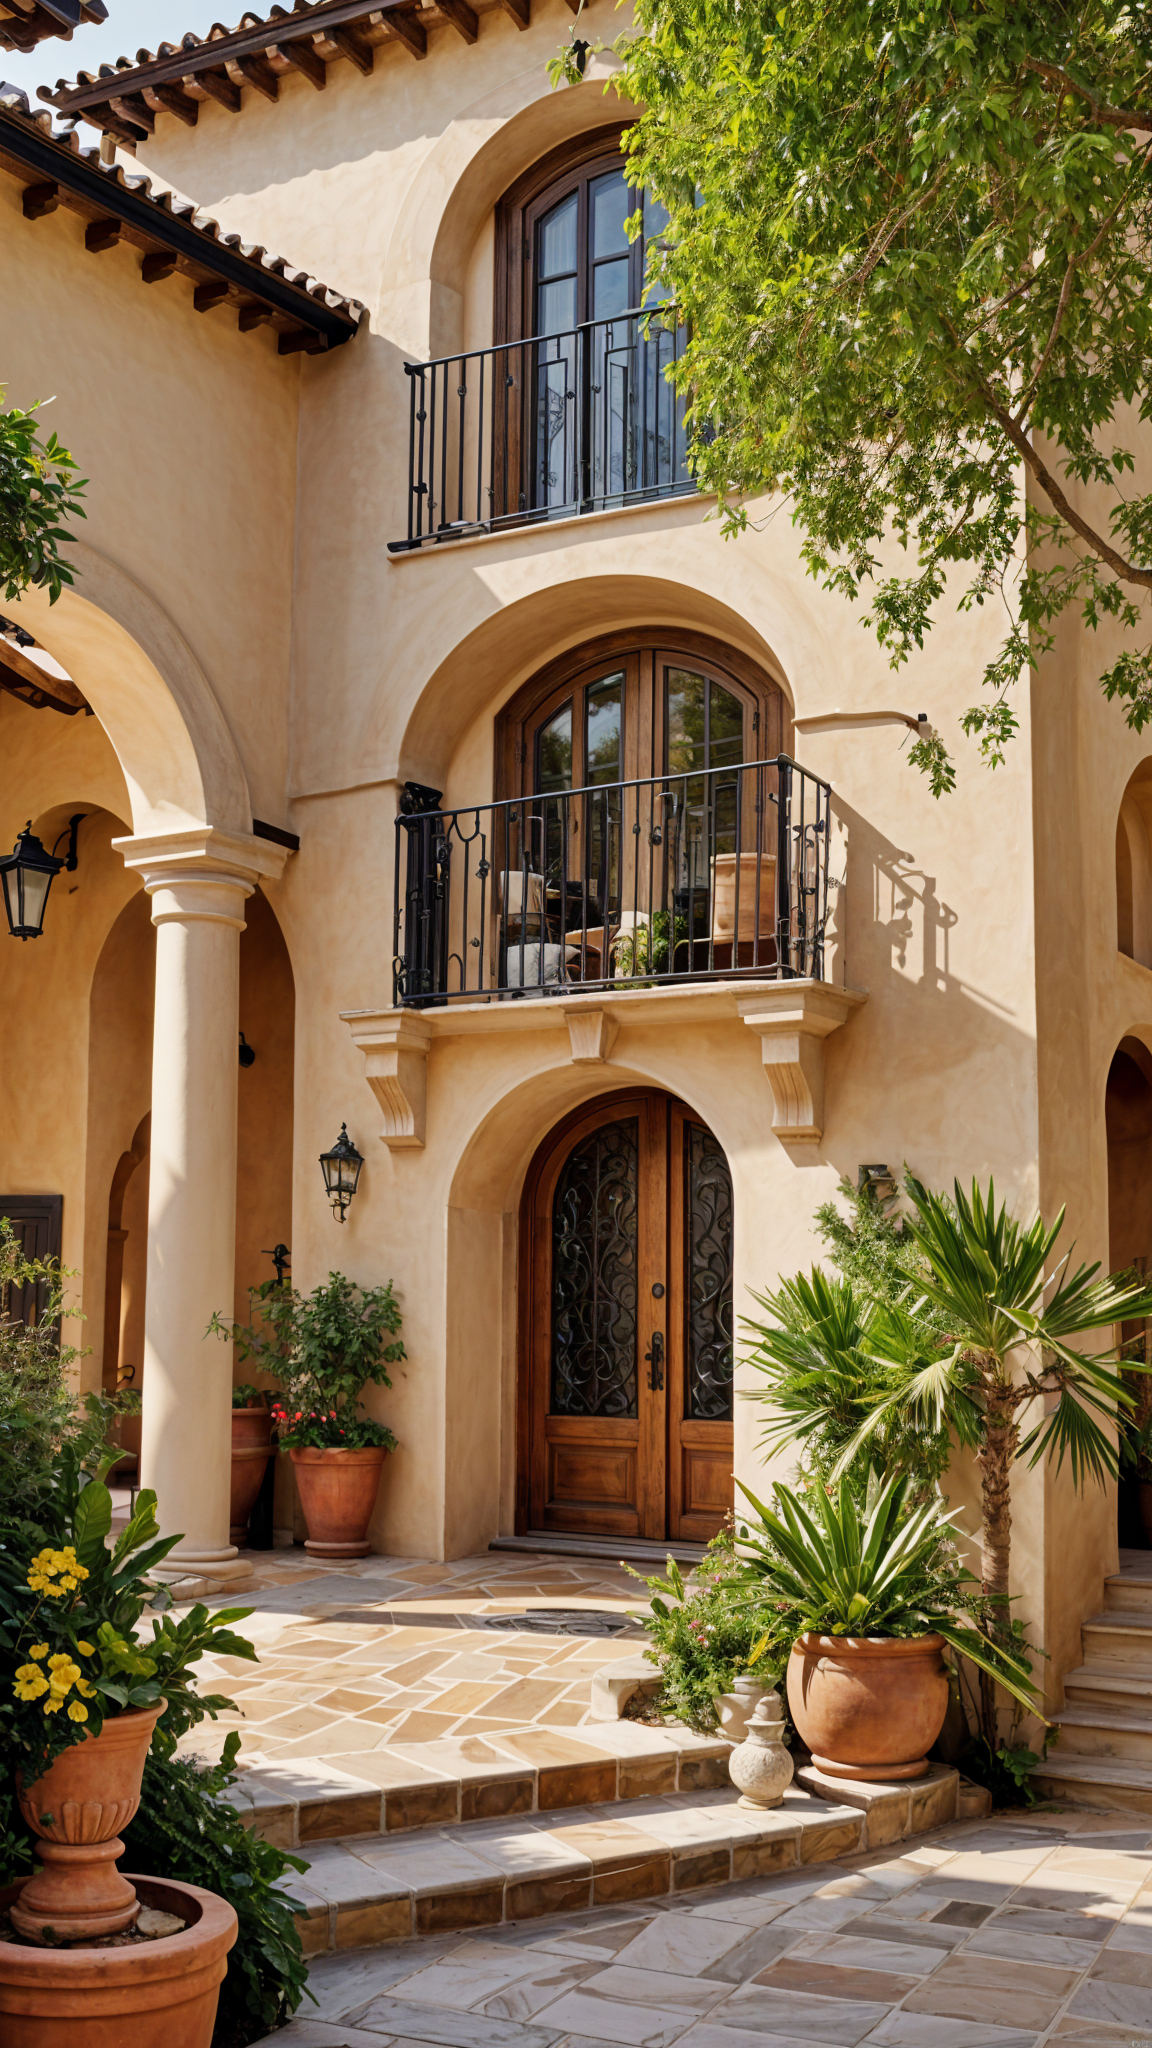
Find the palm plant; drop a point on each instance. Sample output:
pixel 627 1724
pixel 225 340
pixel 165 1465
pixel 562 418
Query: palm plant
pixel 826 1569
pixel 1007 1316
pixel 822 1381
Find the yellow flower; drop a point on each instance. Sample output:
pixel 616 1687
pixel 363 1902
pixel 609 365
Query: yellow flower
pixel 89 1691
pixel 85 1650
pixel 64 1670
pixel 76 1712
pixel 39 1650
pixel 68 1585
pixel 30 1682
pixel 53 1704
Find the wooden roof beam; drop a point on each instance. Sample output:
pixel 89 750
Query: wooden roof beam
pixel 301 340
pixel 462 17
pixel 361 54
pixel 41 199
pixel 113 123
pixel 102 234
pixel 213 85
pixel 255 71
pixel 253 314
pixel 303 58
pixel 170 100
pixel 408 30
pixel 133 108
pixel 210 294
pixel 157 265
pixel 520 11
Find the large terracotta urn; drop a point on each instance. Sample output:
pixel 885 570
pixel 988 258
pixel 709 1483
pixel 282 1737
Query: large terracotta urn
pixel 338 1493
pixel 154 1994
pixel 77 1809
pixel 868 1707
pixel 251 1450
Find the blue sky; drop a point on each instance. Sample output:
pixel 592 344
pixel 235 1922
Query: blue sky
pixel 131 25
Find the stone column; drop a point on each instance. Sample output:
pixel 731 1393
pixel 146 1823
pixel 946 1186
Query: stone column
pixel 199 883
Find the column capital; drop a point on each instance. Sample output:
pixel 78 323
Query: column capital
pixel 202 873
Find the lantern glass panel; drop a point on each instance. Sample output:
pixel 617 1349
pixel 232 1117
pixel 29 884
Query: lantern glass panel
pixel 35 894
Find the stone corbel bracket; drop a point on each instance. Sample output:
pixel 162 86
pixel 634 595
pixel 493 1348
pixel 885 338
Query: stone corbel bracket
pixel 591 1035
pixel 793 1019
pixel 395 1047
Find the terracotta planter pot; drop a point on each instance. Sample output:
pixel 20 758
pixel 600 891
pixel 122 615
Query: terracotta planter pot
pixel 78 1808
pixel 868 1707
pixel 338 1493
pixel 159 1994
pixel 251 1450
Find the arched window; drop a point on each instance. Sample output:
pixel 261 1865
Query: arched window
pixel 1134 868
pixel 595 418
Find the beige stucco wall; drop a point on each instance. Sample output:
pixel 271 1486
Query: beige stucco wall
pixel 250 645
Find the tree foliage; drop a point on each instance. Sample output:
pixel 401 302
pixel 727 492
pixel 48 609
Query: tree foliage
pixel 911 241
pixel 39 490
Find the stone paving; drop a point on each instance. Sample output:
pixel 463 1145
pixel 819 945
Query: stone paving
pixel 1005 1933
pixel 373 1652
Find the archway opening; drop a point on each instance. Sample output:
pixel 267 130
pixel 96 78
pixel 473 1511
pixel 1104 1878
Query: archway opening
pixel 625 1358
pixel 1134 868
pixel 1128 1119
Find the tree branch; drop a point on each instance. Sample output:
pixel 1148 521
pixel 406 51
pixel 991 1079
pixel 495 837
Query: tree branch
pixel 1112 117
pixel 1057 324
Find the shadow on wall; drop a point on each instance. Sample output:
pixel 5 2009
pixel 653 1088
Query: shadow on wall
pixel 935 1037
pixel 1134 868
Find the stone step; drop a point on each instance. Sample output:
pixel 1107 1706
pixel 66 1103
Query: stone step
pixel 1104 1731
pixel 1109 1783
pixel 1119 1636
pixel 1109 1685
pixel 1130 1591
pixel 370 1889
pixel 462 1780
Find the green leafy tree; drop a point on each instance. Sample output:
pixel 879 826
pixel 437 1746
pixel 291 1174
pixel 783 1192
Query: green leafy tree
pixel 39 490
pixel 911 243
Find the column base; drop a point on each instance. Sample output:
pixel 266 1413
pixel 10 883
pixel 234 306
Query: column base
pixel 198 1574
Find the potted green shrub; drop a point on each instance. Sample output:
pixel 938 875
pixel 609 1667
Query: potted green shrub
pixel 324 1348
pixel 867 1598
pixel 251 1450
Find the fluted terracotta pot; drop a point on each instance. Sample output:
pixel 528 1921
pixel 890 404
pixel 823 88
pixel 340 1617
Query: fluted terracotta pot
pixel 868 1707
pixel 251 1450
pixel 156 1994
pixel 77 1809
pixel 338 1493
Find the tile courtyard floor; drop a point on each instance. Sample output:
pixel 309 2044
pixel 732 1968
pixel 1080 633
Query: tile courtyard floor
pixel 1004 1933
pixel 378 1652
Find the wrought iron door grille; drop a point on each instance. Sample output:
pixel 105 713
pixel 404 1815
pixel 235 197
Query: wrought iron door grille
pixel 712 874
pixel 547 427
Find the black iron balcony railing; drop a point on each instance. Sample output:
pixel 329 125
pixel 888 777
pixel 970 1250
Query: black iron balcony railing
pixel 537 429
pixel 692 876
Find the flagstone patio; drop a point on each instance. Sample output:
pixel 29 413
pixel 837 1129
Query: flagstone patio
pixel 1008 1933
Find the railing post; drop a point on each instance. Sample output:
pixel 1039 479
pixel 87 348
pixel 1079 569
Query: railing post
pixel 783 868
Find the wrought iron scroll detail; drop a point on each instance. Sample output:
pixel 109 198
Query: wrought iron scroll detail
pixel 594 1274
pixel 708 1254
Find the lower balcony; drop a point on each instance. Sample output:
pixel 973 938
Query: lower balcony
pixel 718 875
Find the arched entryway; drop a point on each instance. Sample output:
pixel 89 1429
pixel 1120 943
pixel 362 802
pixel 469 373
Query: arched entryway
pixel 1128 1119
pixel 625 1354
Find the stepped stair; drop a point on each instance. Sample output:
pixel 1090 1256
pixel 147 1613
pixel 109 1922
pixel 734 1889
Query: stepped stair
pixel 1103 1757
pixel 650 1815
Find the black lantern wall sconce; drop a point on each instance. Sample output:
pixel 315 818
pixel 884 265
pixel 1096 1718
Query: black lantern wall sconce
pixel 27 875
pixel 341 1169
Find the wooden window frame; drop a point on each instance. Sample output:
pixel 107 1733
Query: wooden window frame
pixel 542 185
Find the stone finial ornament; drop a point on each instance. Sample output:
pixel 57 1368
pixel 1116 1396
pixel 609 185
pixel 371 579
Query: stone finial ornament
pixel 761 1768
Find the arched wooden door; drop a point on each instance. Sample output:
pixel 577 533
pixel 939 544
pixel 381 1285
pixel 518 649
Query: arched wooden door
pixel 626 1325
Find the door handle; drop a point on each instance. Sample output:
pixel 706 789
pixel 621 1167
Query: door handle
pixel 655 1359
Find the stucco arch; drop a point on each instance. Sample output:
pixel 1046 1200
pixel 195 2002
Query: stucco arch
pixel 512 1114
pixel 517 638
pixel 477 157
pixel 149 693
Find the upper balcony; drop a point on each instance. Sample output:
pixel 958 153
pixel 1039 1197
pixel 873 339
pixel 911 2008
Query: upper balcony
pixel 546 428
pixel 714 875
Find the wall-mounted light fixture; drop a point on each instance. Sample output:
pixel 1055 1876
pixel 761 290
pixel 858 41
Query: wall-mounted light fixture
pixel 27 875
pixel 247 1052
pixel 341 1169
pixel 880 1183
